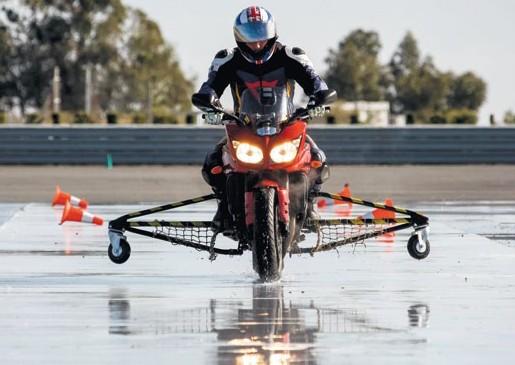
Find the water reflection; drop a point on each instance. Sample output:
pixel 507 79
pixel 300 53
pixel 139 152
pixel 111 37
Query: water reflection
pixel 119 312
pixel 265 329
pixel 418 315
pixel 269 332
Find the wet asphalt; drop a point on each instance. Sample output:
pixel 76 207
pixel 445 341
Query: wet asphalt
pixel 62 301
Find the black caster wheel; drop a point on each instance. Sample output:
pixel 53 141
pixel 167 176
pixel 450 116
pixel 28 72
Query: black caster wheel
pixel 416 249
pixel 124 255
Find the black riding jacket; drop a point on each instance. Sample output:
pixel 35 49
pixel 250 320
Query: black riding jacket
pixel 286 66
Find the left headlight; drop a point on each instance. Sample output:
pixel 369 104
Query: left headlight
pixel 285 152
pixel 248 153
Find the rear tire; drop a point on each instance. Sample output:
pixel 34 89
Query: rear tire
pixel 267 255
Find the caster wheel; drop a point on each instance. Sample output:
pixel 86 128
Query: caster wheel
pixel 123 256
pixel 418 249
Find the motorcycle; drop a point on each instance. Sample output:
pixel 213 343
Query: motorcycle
pixel 269 172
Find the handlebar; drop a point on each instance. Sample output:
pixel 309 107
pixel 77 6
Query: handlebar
pixel 300 113
pixel 229 116
pixel 303 114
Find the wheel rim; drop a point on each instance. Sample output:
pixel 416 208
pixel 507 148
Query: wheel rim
pixel 117 253
pixel 421 246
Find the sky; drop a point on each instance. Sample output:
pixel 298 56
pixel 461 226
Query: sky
pixel 460 35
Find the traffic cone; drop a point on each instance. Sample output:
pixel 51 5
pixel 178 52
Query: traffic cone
pixel 346 193
pixel 344 208
pixel 61 197
pixel 390 236
pixel 383 214
pixel 380 213
pixel 76 214
pixel 324 203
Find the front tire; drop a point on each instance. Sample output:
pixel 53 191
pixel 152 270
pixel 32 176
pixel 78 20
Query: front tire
pixel 267 255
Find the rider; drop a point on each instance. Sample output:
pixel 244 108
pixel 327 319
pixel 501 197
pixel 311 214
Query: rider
pixel 258 59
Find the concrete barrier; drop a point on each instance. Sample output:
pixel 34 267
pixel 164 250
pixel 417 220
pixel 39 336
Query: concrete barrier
pixel 188 145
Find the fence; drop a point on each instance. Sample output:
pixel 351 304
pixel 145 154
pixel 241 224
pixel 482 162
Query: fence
pixel 188 145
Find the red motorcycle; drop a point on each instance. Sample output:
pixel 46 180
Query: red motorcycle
pixel 268 166
pixel 269 172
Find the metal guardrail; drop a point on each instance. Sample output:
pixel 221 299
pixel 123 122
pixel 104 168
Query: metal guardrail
pixel 189 145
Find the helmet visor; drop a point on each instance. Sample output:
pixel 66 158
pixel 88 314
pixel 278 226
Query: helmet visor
pixel 254 31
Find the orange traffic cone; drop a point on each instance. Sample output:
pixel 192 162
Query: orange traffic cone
pixel 383 214
pixel 76 214
pixel 344 209
pixel 346 193
pixel 323 203
pixel 390 236
pixel 380 213
pixel 60 198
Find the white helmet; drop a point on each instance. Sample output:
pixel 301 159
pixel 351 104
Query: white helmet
pixel 255 24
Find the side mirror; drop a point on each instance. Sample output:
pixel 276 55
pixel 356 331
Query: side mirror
pixel 324 97
pixel 206 102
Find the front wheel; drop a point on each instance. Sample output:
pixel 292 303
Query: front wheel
pixel 267 256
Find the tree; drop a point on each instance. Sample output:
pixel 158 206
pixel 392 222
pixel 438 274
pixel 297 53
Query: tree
pixel 509 117
pixel 75 34
pixel 422 90
pixel 21 68
pixel 468 91
pixel 406 58
pixel 417 87
pixel 354 70
pixel 5 54
pixel 150 76
pixel 154 65
pixel 125 52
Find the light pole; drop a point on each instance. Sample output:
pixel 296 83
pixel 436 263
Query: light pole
pixel 56 95
pixel 87 94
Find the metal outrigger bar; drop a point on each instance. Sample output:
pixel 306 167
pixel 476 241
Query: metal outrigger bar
pixel 121 224
pixel 332 233
pixel 418 245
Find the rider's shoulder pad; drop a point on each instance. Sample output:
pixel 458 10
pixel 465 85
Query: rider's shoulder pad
pixel 298 55
pixel 221 58
pixel 297 51
pixel 222 54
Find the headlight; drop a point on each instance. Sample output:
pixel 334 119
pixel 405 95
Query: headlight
pixel 285 152
pixel 248 153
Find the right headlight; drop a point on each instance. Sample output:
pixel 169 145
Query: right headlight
pixel 285 152
pixel 245 152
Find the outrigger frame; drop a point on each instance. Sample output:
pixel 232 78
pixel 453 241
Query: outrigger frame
pixel 117 227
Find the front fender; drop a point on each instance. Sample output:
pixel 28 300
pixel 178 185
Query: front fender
pixel 283 202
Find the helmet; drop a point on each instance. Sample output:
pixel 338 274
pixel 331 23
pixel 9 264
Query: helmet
pixel 255 24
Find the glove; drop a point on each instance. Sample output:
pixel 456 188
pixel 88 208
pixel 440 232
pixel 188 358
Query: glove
pixel 315 110
pixel 213 118
pixel 318 111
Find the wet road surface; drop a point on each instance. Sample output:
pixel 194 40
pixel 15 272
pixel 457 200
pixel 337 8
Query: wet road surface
pixel 62 301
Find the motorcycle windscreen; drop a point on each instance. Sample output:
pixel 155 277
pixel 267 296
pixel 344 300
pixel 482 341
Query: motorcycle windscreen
pixel 265 108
